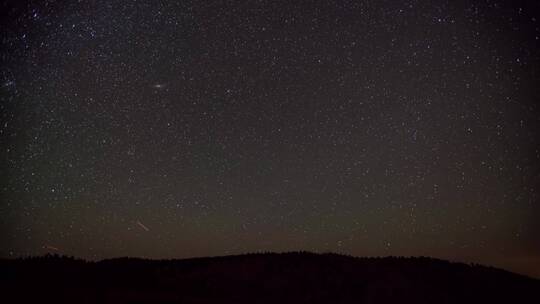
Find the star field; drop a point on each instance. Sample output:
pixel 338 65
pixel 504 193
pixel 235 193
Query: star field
pixel 169 129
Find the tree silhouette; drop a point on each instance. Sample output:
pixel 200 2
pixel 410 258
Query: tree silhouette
pixel 297 277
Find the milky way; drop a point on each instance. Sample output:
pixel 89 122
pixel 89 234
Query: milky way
pixel 166 129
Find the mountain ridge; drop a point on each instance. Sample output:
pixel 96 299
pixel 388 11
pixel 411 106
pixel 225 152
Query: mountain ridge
pixel 292 277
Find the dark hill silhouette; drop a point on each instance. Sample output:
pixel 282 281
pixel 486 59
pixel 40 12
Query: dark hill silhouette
pixel 260 278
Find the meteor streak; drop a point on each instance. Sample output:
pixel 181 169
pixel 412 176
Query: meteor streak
pixel 143 226
pixel 51 247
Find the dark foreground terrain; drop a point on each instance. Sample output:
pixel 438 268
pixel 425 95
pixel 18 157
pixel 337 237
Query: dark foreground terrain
pixel 260 278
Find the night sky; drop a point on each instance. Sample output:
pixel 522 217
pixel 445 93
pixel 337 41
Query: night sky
pixel 174 129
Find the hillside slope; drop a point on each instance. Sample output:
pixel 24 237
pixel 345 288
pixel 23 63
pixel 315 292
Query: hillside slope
pixel 261 278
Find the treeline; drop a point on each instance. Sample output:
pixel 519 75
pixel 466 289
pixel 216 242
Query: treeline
pixel 297 277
